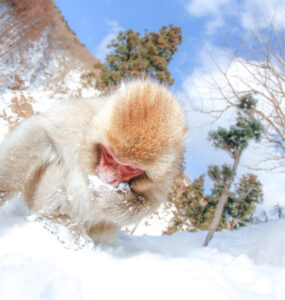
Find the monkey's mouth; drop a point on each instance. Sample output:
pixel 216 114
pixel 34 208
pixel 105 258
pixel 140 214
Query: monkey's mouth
pixel 113 170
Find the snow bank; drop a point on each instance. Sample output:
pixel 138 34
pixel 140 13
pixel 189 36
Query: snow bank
pixel 245 264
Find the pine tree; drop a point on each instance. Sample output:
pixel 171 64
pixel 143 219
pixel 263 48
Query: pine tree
pixel 194 210
pixel 233 140
pixel 241 205
pixel 135 56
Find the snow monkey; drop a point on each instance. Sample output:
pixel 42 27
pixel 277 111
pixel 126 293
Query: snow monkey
pixel 100 162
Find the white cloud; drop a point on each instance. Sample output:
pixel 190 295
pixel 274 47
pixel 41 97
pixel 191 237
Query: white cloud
pixel 200 89
pixel 213 9
pixel 201 8
pixel 201 86
pixel 102 50
pixel 261 13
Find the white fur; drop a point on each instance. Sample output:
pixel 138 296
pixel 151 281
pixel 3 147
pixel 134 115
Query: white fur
pixel 50 158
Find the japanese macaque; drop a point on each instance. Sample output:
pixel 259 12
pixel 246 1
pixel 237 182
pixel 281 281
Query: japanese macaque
pixel 100 162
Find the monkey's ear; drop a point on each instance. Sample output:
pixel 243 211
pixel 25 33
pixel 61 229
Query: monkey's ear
pixel 141 184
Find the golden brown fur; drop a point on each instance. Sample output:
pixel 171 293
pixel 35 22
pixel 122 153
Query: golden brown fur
pixel 51 157
pixel 144 113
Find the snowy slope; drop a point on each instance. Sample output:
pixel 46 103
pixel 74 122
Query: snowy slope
pixel 41 61
pixel 245 264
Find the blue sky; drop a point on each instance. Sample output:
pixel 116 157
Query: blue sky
pixel 206 25
pixel 203 22
pixel 95 21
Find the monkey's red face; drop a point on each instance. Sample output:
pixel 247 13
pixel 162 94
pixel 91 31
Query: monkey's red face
pixel 113 170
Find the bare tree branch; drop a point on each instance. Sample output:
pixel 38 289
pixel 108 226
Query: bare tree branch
pixel 262 74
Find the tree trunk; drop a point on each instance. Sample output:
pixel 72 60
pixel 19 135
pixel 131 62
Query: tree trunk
pixel 221 204
pixel 218 215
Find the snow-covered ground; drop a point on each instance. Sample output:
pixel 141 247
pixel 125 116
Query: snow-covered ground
pixel 244 264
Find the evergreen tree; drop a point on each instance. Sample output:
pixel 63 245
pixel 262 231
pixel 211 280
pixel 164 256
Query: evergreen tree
pixel 240 206
pixel 223 208
pixel 240 203
pixel 233 140
pixel 194 210
pixel 133 55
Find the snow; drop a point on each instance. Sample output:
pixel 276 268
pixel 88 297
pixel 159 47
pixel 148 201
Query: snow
pixel 155 224
pixel 41 260
pixel 96 184
pixel 35 264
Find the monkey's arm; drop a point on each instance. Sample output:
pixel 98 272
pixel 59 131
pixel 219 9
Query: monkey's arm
pixel 23 153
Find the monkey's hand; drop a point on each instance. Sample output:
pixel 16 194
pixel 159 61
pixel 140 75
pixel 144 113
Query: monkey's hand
pixel 118 204
pixel 70 234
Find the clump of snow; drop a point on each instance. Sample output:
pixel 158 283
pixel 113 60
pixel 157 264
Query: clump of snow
pixel 65 234
pixel 247 264
pixel 97 184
